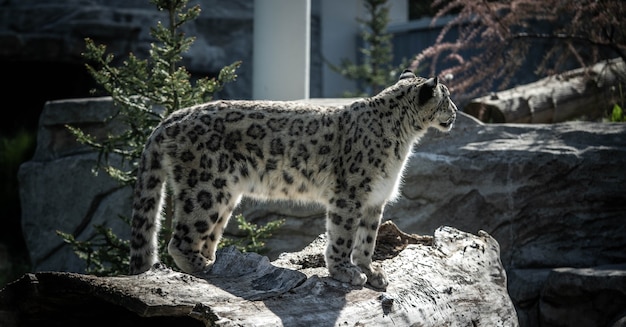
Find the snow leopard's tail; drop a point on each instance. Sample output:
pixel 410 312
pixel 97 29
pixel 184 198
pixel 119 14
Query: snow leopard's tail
pixel 148 197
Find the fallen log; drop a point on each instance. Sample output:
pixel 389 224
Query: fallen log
pixel 451 279
pixel 558 98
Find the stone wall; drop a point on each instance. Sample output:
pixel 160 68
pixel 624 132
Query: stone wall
pixel 551 195
pixel 53 32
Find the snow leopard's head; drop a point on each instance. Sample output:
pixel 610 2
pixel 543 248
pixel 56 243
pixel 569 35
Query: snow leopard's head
pixel 432 101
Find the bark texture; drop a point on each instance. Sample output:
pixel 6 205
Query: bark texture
pixel 451 279
pixel 577 93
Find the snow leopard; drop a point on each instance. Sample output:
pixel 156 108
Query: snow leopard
pixel 348 158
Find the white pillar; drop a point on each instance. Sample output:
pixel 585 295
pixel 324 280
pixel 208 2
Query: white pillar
pixel 398 11
pixel 281 54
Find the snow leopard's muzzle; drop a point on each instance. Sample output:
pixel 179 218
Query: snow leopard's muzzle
pixel 447 115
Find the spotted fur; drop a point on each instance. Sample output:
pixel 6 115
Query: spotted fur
pixel 349 159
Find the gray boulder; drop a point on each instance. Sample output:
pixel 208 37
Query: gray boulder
pixel 585 297
pixel 551 195
pixel 59 190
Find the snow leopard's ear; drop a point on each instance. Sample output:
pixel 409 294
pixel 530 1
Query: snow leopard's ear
pixel 427 91
pixel 407 73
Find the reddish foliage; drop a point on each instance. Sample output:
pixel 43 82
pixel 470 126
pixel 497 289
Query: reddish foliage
pixel 570 34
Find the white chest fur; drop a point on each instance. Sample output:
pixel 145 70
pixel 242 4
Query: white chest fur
pixel 387 187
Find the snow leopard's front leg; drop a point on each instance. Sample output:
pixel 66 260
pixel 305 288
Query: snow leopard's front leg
pixel 341 225
pixel 365 244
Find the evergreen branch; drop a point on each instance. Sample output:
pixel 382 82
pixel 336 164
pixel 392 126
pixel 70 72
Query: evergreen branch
pixel 145 91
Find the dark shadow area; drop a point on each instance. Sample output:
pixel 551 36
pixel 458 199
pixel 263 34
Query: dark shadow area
pixel 295 299
pixel 35 82
pixel 30 84
pixel 71 308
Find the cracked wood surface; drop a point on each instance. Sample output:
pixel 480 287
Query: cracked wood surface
pixel 450 279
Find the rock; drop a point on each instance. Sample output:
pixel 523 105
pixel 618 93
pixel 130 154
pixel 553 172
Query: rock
pixel 458 280
pixel 58 190
pixel 585 297
pixel 552 195
pixel 525 287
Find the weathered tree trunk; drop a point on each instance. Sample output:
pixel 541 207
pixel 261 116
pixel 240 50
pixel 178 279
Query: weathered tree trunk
pixel 580 92
pixel 451 279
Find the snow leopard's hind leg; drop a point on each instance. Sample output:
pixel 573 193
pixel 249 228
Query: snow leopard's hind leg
pixel 200 216
pixel 147 204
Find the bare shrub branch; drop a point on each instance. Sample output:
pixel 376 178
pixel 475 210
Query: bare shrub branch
pixel 497 38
